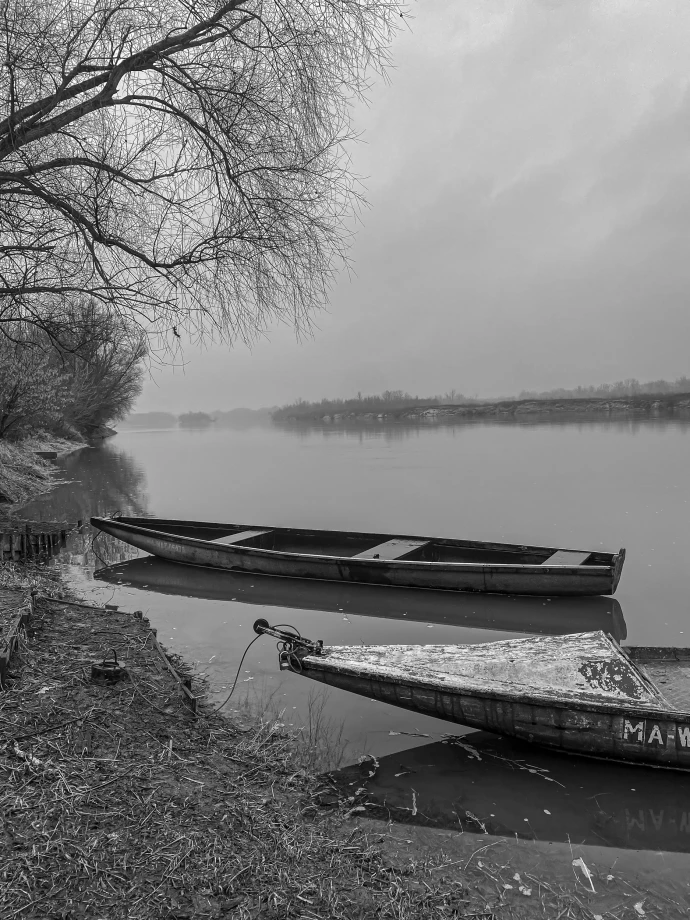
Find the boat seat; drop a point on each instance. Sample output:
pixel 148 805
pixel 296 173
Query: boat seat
pixel 391 549
pixel 566 557
pixel 239 537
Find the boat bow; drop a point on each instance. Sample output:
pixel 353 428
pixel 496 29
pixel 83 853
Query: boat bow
pixel 582 668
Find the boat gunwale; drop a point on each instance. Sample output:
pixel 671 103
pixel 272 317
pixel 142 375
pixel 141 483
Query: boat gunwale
pixel 255 550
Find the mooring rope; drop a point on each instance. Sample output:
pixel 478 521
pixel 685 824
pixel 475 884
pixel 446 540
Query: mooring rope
pixel 284 648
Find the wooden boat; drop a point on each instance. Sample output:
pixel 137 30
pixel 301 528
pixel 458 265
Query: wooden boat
pixel 580 693
pixel 419 562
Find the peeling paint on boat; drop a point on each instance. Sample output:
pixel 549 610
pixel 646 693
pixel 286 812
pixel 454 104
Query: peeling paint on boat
pixel 575 667
pixel 579 693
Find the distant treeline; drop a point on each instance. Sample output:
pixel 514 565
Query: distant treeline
pixel 391 400
pixel 239 418
pixel 378 402
pixel 149 420
pixel 234 418
pixel 388 401
pixel 629 387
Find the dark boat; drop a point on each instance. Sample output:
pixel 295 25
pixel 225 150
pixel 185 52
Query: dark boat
pixel 446 608
pixel 406 561
pixel 580 693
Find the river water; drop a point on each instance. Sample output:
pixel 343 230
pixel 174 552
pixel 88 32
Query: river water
pixel 580 484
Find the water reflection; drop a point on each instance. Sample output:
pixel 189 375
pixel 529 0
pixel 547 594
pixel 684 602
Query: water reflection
pixel 401 429
pixel 90 549
pixel 552 616
pixel 483 783
pixel 98 481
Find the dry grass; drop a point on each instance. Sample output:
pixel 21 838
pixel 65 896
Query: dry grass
pixel 23 475
pixel 319 744
pixel 44 440
pixel 117 802
pixel 30 576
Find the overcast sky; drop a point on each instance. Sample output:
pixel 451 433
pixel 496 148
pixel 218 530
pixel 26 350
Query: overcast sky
pixel 528 174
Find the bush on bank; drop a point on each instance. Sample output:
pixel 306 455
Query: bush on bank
pixel 71 388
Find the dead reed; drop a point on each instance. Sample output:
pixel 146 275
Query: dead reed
pixel 22 473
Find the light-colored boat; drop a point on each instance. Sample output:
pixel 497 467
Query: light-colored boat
pixel 369 558
pixel 580 693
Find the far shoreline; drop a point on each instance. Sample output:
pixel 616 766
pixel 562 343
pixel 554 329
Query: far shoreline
pixel 642 406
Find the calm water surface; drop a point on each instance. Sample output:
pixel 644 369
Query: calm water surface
pixel 583 485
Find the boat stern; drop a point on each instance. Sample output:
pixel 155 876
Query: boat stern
pixel 618 561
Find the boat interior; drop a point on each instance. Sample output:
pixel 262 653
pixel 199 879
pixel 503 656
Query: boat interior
pixel 669 671
pixel 369 546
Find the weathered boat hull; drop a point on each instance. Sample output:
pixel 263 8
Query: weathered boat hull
pixel 500 578
pixel 580 693
pixel 576 730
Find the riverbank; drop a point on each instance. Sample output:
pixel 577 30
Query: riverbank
pixel 676 404
pixel 119 801
pixel 24 474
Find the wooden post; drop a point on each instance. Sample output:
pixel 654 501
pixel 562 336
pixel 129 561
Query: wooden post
pixel 17 624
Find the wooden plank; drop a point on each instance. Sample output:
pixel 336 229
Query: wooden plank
pixel 238 537
pixel 566 557
pixel 8 642
pixel 391 549
pixel 184 683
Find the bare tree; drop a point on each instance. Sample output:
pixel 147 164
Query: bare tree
pixel 179 161
pixel 87 380
pixel 103 365
pixel 33 393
